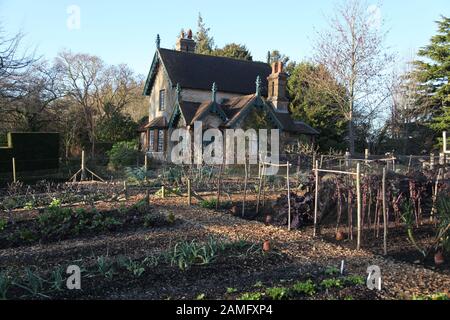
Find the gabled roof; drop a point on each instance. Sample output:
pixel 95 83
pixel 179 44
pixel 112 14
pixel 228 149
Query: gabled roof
pixel 235 109
pixel 157 123
pixel 197 71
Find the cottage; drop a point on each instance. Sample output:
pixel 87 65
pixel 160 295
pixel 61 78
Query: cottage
pixel 184 87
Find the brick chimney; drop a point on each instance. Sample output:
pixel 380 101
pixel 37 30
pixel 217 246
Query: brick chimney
pixel 185 42
pixel 277 87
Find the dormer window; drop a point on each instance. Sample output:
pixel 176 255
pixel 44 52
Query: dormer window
pixel 162 100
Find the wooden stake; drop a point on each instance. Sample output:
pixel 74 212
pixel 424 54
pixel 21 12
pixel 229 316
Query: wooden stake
pixel 163 192
pixel 385 222
pixel 218 187
pixel 83 166
pixel 245 188
pixel 435 195
pixel 147 197
pixel 260 188
pixel 14 169
pixel 145 165
pixel 289 197
pixel 189 192
pixel 125 189
pixel 316 200
pixel 358 199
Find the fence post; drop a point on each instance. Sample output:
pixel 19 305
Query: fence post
pixel 289 197
pixel 14 169
pixel 125 188
pixel 358 199
pixel 316 200
pixel 189 191
pixel 145 166
pixel 432 161
pixel 347 159
pixel 385 222
pixel 163 192
pixel 83 166
pixel 366 156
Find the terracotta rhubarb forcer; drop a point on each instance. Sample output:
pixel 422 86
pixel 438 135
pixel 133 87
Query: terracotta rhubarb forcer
pixel 340 236
pixel 439 258
pixel 266 246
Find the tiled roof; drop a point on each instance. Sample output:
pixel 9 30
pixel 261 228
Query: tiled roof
pixel 197 71
pixel 157 123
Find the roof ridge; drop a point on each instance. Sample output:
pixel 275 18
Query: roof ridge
pixel 211 56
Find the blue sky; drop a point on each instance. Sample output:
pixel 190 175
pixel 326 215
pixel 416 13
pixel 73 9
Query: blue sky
pixel 125 31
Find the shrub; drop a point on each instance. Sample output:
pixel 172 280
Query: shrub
pixel 123 154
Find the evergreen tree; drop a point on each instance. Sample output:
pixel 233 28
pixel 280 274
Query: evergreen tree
pixel 433 73
pixel 316 107
pixel 234 50
pixel 205 43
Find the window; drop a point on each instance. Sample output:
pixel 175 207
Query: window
pixel 151 140
pixel 161 141
pixel 162 100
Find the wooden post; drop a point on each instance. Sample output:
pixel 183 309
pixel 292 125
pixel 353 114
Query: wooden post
pixel 147 197
pixel 245 188
pixel 145 165
pixel 366 156
pixel 163 192
pixel 385 222
pixel 189 192
pixel 83 166
pixel 321 161
pixel 218 187
pixel 444 141
pixel 358 199
pixel 347 160
pixel 435 195
pixel 316 200
pixel 432 161
pixel 314 159
pixel 260 187
pixel 289 197
pixel 441 158
pixel 14 170
pixel 125 189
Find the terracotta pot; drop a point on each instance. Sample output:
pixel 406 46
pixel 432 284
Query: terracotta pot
pixel 269 219
pixel 266 246
pixel 439 258
pixel 340 236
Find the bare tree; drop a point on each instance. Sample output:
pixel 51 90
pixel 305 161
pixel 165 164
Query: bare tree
pixel 352 51
pixel 34 106
pixel 13 63
pixel 80 80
